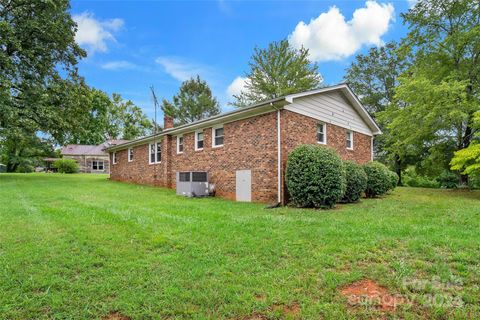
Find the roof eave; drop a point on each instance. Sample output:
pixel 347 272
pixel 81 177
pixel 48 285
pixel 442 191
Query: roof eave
pixel 257 109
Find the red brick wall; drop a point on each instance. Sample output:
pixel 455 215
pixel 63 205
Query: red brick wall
pixel 248 144
pixel 299 129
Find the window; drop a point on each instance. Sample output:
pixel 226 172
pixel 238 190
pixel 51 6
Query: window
pixel 349 140
pixel 114 158
pixel 199 140
pixel 321 133
pixel 97 165
pixel 217 136
pixel 155 152
pixel 179 144
pixel 130 155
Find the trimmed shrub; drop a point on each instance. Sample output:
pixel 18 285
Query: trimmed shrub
pixel 393 177
pixel 378 181
pixel 66 166
pixel 315 176
pixel 356 181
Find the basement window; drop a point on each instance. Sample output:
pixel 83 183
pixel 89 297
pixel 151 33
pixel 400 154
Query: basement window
pixel 155 152
pixel 217 136
pixel 349 140
pixel 199 140
pixel 321 133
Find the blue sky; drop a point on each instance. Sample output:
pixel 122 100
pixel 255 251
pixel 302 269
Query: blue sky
pixel 132 45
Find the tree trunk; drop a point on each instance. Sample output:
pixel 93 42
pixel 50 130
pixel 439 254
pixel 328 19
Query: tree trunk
pixel 398 168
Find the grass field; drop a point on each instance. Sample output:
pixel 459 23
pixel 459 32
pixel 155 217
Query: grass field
pixel 81 247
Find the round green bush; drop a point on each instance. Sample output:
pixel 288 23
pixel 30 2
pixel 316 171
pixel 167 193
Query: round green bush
pixel 315 176
pixel 378 180
pixel 393 177
pixel 66 165
pixel 356 181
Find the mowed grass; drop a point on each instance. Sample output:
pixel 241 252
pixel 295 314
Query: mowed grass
pixel 82 247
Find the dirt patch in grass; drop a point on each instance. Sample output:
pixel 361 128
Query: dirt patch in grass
pixel 369 293
pixel 115 316
pixel 288 310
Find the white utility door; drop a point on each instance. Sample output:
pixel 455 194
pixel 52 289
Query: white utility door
pixel 244 185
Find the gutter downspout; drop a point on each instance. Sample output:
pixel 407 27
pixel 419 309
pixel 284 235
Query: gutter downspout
pixel 279 160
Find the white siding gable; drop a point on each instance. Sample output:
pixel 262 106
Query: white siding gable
pixel 330 107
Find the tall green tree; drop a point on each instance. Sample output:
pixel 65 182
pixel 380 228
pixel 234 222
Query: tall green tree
pixel 467 160
pixel 109 118
pixel 126 120
pixel 277 71
pixel 38 55
pixel 22 151
pixel 440 91
pixel 374 78
pixel 193 102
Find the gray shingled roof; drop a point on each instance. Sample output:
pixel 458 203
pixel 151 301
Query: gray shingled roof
pixel 91 150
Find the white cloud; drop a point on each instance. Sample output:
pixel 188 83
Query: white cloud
pixel 94 34
pixel 182 70
pixel 330 37
pixel 236 87
pixel 118 65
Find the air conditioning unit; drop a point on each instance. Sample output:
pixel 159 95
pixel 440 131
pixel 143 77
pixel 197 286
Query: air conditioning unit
pixel 192 183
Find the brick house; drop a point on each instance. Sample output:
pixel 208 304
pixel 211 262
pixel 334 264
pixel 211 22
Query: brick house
pixel 90 158
pixel 252 143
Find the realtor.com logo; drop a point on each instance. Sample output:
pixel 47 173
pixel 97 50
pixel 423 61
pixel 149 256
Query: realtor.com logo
pixel 432 293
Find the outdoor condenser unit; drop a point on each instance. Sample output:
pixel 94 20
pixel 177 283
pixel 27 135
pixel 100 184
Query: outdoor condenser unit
pixel 192 183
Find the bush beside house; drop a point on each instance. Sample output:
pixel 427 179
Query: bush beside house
pixel 315 177
pixel 356 181
pixel 378 179
pixel 66 166
pixel 393 177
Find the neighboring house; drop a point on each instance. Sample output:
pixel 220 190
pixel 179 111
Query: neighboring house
pixel 90 158
pixel 245 151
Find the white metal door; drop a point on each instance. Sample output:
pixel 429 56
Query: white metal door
pixel 244 185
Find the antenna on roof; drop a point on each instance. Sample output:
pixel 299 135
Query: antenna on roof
pixel 155 126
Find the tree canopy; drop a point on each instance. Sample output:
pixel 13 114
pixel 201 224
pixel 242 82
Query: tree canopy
pixel 438 94
pixel 277 71
pixel 38 55
pixel 109 118
pixel 194 101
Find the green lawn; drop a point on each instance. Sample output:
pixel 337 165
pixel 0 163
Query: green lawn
pixel 80 246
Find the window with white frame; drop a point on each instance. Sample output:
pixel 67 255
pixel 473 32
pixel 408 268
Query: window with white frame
pixel 155 155
pixel 217 136
pixel 321 133
pixel 179 144
pixel 349 139
pixel 114 158
pixel 130 154
pixel 98 165
pixel 199 140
